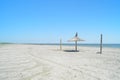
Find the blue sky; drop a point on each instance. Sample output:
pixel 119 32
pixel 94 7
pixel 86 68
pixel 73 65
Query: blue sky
pixel 46 21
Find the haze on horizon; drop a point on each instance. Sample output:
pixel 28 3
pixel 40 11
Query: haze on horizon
pixel 46 21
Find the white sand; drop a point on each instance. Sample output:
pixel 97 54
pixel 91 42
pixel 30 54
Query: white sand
pixel 44 62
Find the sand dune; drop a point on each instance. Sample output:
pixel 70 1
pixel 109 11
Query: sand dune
pixel 45 62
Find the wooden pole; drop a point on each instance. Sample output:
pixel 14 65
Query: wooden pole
pixel 101 44
pixel 60 44
pixel 76 46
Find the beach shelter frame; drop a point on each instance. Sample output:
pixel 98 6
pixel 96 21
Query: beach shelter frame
pixel 75 39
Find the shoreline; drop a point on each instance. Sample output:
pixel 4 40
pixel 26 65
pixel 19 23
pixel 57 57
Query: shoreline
pixel 112 46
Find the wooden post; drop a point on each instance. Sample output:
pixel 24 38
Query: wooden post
pixel 60 44
pixel 101 44
pixel 76 46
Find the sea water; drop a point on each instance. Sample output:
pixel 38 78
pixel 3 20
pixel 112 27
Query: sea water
pixel 91 45
pixel 104 45
pixel 85 45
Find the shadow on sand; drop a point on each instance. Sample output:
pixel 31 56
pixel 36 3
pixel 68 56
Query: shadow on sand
pixel 98 53
pixel 71 51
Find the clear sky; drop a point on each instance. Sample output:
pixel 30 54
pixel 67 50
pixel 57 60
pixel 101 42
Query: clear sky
pixel 46 21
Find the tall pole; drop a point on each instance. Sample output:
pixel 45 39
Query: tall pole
pixel 60 44
pixel 101 44
pixel 76 46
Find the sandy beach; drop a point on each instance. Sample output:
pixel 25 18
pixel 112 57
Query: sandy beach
pixel 47 62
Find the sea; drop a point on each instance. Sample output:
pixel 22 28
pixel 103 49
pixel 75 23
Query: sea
pixel 104 45
pixel 84 45
pixel 96 45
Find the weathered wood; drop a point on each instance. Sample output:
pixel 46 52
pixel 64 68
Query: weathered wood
pixel 76 46
pixel 101 44
pixel 60 44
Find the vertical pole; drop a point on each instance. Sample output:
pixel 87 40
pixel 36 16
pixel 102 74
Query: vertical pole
pixel 101 44
pixel 76 46
pixel 60 44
